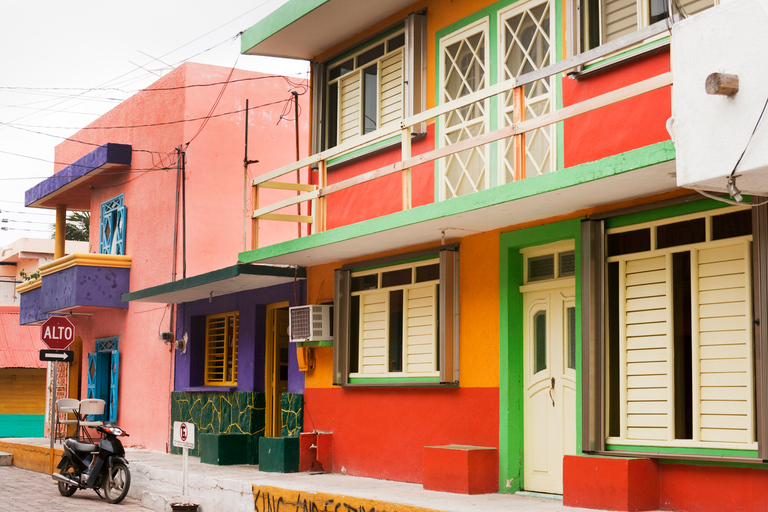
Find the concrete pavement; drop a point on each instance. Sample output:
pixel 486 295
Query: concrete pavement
pixel 157 482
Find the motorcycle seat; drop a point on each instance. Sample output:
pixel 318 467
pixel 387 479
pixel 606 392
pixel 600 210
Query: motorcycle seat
pixel 81 447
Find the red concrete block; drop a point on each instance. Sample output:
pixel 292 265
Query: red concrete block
pixel 461 469
pixel 698 488
pixel 610 483
pixel 325 451
pixel 307 447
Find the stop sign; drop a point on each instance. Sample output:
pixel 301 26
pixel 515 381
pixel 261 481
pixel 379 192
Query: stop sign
pixel 57 332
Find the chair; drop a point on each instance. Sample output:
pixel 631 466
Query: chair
pixel 66 406
pixel 90 407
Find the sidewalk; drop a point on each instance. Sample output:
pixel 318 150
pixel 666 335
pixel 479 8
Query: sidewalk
pixel 157 482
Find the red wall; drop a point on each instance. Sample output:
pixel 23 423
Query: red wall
pixel 620 127
pixel 382 432
pixel 384 195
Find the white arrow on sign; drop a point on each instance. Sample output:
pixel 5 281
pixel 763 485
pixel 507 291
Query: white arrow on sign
pixel 55 355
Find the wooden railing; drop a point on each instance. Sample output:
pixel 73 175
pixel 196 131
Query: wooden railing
pixel 316 194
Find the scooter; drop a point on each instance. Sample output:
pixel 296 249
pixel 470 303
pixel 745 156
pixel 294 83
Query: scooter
pixel 101 468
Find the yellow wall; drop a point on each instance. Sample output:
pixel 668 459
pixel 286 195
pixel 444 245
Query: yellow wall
pixel 23 391
pixel 478 312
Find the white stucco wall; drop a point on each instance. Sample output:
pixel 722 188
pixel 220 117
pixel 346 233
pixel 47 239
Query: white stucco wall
pixel 710 132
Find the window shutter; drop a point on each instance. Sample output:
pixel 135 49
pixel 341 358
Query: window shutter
pixel 725 341
pixel 620 18
pixel 421 318
pixel 373 338
pixel 119 236
pixel 449 316
pixel 350 99
pixel 107 233
pixel 91 385
pixel 647 354
pixel 113 380
pixel 391 95
pixel 341 312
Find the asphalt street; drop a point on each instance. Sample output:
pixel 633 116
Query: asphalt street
pixel 23 491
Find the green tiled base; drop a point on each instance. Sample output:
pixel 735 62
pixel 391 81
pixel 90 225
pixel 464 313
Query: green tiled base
pixel 279 454
pixel 223 449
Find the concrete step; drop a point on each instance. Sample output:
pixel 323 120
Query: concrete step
pixel 6 459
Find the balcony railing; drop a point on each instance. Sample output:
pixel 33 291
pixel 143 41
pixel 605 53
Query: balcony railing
pixel 316 194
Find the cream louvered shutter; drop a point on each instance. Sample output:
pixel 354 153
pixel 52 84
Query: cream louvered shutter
pixel 391 89
pixel 724 340
pixel 350 106
pixel 420 330
pixel 373 357
pixel 620 18
pixel 647 354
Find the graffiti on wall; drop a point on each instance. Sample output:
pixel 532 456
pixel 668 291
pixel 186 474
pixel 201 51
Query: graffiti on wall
pixel 273 499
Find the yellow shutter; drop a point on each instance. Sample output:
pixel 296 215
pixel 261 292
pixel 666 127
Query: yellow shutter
pixel 391 95
pixel 421 329
pixel 725 341
pixel 350 100
pixel 221 339
pixel 374 333
pixel 647 354
pixel 620 18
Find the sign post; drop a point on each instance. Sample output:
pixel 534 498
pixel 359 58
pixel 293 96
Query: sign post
pixel 57 333
pixel 184 437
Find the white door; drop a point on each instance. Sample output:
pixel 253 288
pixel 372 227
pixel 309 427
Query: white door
pixel 550 386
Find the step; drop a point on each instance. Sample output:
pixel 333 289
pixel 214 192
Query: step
pixel 6 459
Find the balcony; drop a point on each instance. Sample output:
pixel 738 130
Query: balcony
pixel 78 284
pixel 523 197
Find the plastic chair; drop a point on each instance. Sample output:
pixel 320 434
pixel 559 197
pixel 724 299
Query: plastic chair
pixel 90 407
pixel 66 406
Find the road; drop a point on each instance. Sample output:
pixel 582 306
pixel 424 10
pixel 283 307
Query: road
pixel 28 491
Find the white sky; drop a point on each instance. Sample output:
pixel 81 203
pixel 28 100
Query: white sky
pixel 83 44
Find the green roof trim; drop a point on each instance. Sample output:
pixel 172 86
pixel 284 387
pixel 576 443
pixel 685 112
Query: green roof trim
pixel 216 275
pixel 277 21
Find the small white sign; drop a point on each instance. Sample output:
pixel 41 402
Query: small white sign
pixel 183 434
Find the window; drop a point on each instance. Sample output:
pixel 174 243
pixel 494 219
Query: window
pixel 679 348
pixel 398 320
pixel 606 20
pixel 112 226
pixel 221 335
pixel 464 60
pixel 374 85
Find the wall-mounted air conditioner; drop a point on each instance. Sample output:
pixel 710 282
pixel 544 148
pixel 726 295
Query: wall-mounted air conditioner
pixel 310 323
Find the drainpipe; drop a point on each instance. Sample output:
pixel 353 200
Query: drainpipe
pixel 60 232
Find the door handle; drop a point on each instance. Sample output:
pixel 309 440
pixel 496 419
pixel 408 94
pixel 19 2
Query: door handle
pixel 551 387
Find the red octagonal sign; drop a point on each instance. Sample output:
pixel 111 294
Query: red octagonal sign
pixel 57 332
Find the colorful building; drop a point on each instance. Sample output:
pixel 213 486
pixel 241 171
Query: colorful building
pixel 524 297
pixel 164 177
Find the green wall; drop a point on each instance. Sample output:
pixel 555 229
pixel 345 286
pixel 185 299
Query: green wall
pixel 22 425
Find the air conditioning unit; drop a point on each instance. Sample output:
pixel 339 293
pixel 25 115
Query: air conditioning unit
pixel 310 323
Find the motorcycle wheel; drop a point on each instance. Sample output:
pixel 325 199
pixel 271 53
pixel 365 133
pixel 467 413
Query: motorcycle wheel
pixel 69 471
pixel 117 483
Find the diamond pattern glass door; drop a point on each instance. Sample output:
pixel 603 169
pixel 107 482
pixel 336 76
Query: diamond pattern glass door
pixel 465 71
pixel 526 40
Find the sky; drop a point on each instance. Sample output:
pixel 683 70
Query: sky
pixel 64 63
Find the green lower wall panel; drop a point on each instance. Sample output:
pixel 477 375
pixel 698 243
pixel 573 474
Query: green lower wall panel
pixel 279 454
pixel 240 412
pixel 292 412
pixel 22 425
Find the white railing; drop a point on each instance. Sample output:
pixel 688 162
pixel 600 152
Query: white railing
pixel 315 194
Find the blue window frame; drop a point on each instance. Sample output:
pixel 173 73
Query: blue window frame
pixel 112 226
pixel 103 375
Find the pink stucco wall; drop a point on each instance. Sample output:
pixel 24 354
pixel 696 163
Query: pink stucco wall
pixel 150 122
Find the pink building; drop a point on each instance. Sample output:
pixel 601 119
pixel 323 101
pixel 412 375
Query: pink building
pixel 163 177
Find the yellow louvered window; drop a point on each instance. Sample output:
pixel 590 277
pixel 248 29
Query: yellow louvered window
pixel 679 323
pixel 365 89
pixel 221 334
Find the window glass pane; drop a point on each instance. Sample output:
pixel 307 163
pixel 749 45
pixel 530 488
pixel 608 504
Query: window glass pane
pixel 396 42
pixel 362 283
pixel 658 10
pixel 395 358
pixel 370 98
pixel 541 267
pixel 332 118
pixel 567 264
pixel 682 327
pixel 396 278
pixel 342 69
pixel 613 358
pixel 370 55
pixel 570 336
pixel 681 233
pixel 354 333
pixel 629 242
pixel 539 341
pixel 428 273
pixel 730 225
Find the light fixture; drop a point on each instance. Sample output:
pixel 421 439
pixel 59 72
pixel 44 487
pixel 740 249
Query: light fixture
pixel 733 191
